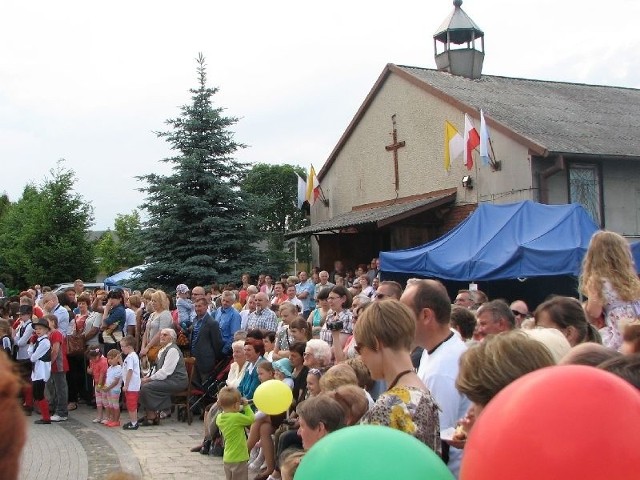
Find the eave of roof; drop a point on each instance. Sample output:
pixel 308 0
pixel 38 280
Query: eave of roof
pixel 378 217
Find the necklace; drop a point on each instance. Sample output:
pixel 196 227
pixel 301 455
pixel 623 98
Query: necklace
pixel 398 377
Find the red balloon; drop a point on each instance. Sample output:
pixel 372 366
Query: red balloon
pixel 561 422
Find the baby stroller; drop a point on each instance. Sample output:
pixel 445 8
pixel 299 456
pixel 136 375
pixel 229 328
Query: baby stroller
pixel 206 393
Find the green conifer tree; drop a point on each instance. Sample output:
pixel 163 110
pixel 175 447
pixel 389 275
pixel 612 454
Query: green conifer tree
pixel 199 228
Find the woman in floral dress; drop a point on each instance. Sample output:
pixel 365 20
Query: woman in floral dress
pixel 383 335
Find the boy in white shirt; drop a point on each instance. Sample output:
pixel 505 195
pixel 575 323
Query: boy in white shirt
pixel 131 379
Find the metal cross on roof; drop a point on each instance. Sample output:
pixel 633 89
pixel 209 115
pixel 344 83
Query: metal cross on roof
pixel 394 148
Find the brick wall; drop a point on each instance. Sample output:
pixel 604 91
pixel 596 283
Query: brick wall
pixel 457 214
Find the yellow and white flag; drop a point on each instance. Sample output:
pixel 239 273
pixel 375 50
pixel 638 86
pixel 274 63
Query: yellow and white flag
pixel 453 144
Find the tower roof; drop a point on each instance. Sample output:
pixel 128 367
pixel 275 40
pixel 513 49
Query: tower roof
pixel 459 26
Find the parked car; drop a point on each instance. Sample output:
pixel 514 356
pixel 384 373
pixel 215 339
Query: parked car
pixel 87 286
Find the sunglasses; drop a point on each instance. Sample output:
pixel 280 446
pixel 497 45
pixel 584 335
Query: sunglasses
pixel 518 314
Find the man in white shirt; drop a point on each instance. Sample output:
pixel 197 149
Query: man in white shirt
pixel 442 350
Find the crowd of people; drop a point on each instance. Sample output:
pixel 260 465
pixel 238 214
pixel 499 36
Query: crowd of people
pixel 351 348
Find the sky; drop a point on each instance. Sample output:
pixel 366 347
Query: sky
pixel 90 82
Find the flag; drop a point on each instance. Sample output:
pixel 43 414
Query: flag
pixel 471 141
pixel 485 139
pixel 313 187
pixel 453 144
pixel 302 190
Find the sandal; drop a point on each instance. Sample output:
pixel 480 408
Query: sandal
pixel 148 423
pixel 72 406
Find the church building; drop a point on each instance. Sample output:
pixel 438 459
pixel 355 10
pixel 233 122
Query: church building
pixel 385 185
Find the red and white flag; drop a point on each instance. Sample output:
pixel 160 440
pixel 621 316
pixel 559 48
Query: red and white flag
pixel 471 141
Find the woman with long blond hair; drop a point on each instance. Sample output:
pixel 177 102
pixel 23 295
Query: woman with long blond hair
pixel 610 282
pixel 159 319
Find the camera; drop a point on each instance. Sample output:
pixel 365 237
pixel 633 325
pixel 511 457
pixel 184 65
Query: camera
pixel 335 326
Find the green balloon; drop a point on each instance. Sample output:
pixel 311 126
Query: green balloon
pixel 371 452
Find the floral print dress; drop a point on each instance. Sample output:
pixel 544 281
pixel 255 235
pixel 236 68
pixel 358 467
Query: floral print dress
pixel 618 314
pixel 409 410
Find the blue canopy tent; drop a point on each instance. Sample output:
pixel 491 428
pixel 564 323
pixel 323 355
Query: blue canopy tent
pixel 500 242
pixel 120 279
pixel 635 251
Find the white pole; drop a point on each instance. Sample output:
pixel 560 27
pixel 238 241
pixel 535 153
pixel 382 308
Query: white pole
pixel 295 255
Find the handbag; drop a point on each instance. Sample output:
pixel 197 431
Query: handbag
pixel 75 344
pixel 182 340
pixel 152 353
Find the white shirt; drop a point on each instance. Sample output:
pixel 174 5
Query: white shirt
pixel 93 320
pixel 114 372
pixel 41 370
pixel 438 372
pixel 297 302
pixel 130 317
pixel 169 365
pixel 131 362
pixel 22 341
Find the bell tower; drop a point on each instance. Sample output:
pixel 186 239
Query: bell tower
pixel 458 38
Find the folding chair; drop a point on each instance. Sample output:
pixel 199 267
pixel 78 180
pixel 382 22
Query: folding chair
pixel 180 400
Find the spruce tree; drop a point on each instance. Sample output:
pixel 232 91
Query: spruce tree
pixel 199 228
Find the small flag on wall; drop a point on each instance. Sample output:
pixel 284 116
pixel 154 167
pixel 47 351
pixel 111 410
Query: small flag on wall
pixel 313 187
pixel 485 140
pixel 453 144
pixel 471 141
pixel 302 190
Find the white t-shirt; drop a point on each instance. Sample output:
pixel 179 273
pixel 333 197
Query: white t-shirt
pixel 114 372
pixel 93 320
pixel 438 372
pixel 130 321
pixel 132 362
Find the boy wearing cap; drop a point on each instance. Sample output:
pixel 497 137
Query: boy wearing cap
pixel 40 356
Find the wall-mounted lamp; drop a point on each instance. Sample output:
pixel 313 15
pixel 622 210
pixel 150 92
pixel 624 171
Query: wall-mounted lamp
pixel 467 182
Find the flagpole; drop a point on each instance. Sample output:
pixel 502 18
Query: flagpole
pixel 494 163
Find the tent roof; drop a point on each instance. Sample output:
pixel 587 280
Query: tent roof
pixel 498 242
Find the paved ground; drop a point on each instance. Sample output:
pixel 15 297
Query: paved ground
pixel 79 450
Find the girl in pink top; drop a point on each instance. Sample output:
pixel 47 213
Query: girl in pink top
pixel 98 369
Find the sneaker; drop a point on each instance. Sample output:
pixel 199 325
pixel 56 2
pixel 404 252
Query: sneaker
pixel 130 426
pixel 96 420
pixel 58 418
pixel 104 421
pixel 112 424
pixel 42 422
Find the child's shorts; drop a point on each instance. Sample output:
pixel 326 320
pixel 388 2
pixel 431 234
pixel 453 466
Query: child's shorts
pixel 113 399
pixel 101 399
pixel 131 400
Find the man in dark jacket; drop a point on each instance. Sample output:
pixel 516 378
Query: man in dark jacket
pixel 206 341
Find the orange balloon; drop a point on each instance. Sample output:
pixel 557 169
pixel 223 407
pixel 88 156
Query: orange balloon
pixel 561 422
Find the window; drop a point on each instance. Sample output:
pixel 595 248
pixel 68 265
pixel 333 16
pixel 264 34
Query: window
pixel 584 188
